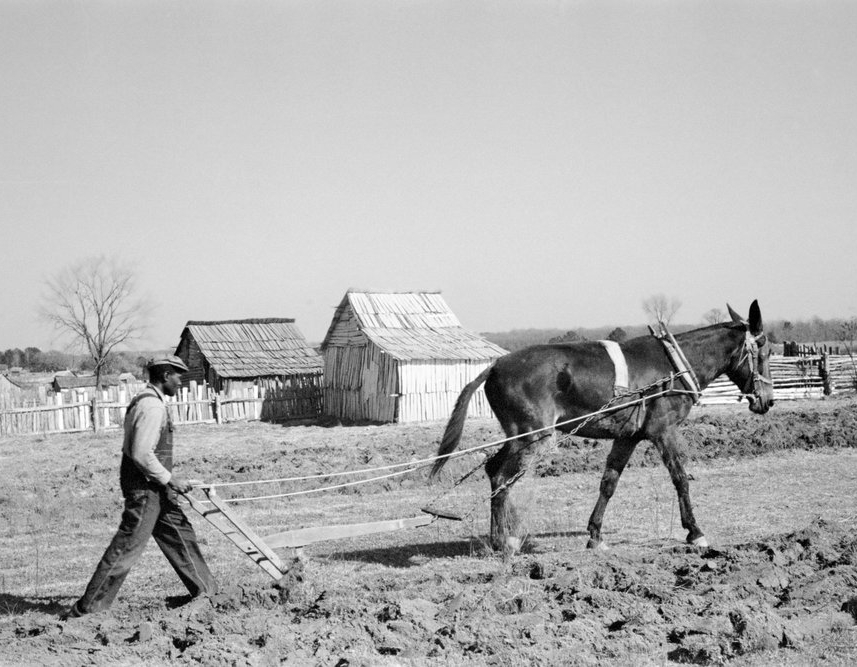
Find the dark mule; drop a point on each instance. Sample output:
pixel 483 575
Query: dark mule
pixel 544 385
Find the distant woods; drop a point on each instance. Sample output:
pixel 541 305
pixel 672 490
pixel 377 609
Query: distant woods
pixel 815 330
pixel 34 360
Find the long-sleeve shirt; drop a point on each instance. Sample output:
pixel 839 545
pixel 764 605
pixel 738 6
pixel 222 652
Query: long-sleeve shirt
pixel 143 426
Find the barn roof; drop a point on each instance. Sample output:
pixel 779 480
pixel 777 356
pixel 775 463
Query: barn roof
pixel 412 326
pixel 254 347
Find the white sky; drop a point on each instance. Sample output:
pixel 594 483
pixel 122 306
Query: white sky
pixel 543 163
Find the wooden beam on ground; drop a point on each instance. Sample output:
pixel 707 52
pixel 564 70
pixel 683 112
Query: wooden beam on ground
pixel 303 536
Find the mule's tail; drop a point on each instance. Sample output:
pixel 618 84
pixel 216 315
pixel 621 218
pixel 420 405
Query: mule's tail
pixel 455 426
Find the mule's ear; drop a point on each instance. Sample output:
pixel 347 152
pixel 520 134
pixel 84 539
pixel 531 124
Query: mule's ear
pixel 755 318
pixel 735 316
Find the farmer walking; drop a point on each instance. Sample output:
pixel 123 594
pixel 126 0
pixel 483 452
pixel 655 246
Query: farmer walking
pixel 151 498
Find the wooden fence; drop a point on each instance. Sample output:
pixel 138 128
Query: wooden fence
pixel 794 377
pixel 74 410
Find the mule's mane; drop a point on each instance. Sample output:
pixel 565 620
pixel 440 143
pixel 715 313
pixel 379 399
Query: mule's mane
pixel 707 351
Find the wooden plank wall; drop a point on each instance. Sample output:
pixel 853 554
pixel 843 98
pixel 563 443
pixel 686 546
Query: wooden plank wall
pixel 362 383
pixel 428 390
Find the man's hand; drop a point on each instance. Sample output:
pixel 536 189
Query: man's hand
pixel 179 485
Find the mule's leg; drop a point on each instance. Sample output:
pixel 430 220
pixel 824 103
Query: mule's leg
pixel 504 469
pixel 667 446
pixel 617 459
pixel 501 468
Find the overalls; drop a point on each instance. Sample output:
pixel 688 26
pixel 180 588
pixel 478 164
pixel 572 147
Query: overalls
pixel 150 510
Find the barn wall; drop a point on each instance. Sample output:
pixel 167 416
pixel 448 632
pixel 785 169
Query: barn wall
pixel 429 389
pixel 190 353
pixel 284 396
pixel 360 382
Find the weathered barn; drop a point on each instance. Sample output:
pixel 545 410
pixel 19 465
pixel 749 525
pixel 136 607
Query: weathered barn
pixel 400 357
pixel 270 354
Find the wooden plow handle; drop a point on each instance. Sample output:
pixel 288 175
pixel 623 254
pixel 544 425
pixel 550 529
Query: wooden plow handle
pixel 219 516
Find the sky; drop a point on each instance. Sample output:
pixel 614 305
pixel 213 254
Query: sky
pixel 542 164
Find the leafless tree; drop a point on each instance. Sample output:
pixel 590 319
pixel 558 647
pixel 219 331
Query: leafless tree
pixel 659 308
pixel 95 301
pixel 714 316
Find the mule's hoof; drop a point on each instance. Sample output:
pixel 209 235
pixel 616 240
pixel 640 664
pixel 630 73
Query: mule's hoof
pixel 700 542
pixel 599 545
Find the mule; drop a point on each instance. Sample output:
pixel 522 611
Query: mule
pixel 543 386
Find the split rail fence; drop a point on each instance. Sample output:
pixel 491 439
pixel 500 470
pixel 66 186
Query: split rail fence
pixel 794 378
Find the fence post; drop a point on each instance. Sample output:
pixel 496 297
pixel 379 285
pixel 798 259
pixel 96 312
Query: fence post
pixel 217 416
pixel 60 420
pixel 94 411
pixel 824 372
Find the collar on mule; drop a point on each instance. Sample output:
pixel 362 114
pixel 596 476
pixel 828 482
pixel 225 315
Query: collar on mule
pixel 678 361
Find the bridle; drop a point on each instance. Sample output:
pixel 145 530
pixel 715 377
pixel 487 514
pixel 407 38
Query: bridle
pixel 750 351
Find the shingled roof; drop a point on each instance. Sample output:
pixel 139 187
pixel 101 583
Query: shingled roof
pixel 411 326
pixel 254 347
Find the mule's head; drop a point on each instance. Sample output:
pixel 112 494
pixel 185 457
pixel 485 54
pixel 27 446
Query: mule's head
pixel 751 370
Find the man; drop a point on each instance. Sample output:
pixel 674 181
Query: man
pixel 151 493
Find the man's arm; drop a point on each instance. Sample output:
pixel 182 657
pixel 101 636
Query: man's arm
pixel 149 419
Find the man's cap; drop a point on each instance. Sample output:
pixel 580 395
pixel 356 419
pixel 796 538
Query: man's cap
pixel 169 360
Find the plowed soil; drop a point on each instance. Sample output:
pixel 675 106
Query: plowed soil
pixel 776 496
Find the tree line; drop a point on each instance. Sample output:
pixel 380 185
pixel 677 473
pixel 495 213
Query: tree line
pixel 34 360
pixel 813 331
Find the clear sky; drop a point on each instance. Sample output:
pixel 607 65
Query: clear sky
pixel 542 163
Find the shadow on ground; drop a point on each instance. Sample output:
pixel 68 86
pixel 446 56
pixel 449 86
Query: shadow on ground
pixel 412 555
pixel 15 605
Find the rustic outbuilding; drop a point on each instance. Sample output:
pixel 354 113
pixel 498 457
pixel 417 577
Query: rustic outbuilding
pixel 270 354
pixel 400 357
pixel 62 382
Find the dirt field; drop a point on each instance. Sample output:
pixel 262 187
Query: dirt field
pixel 776 496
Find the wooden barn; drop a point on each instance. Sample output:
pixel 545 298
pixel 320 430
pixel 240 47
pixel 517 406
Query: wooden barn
pixel 400 357
pixel 270 355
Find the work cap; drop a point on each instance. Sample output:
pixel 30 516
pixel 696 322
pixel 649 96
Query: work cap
pixel 169 360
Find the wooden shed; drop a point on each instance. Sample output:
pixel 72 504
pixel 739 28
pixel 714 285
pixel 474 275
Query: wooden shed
pixel 400 357
pixel 270 354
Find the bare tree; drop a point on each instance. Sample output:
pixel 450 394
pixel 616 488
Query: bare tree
pixel 714 316
pixel 95 301
pixel 660 309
